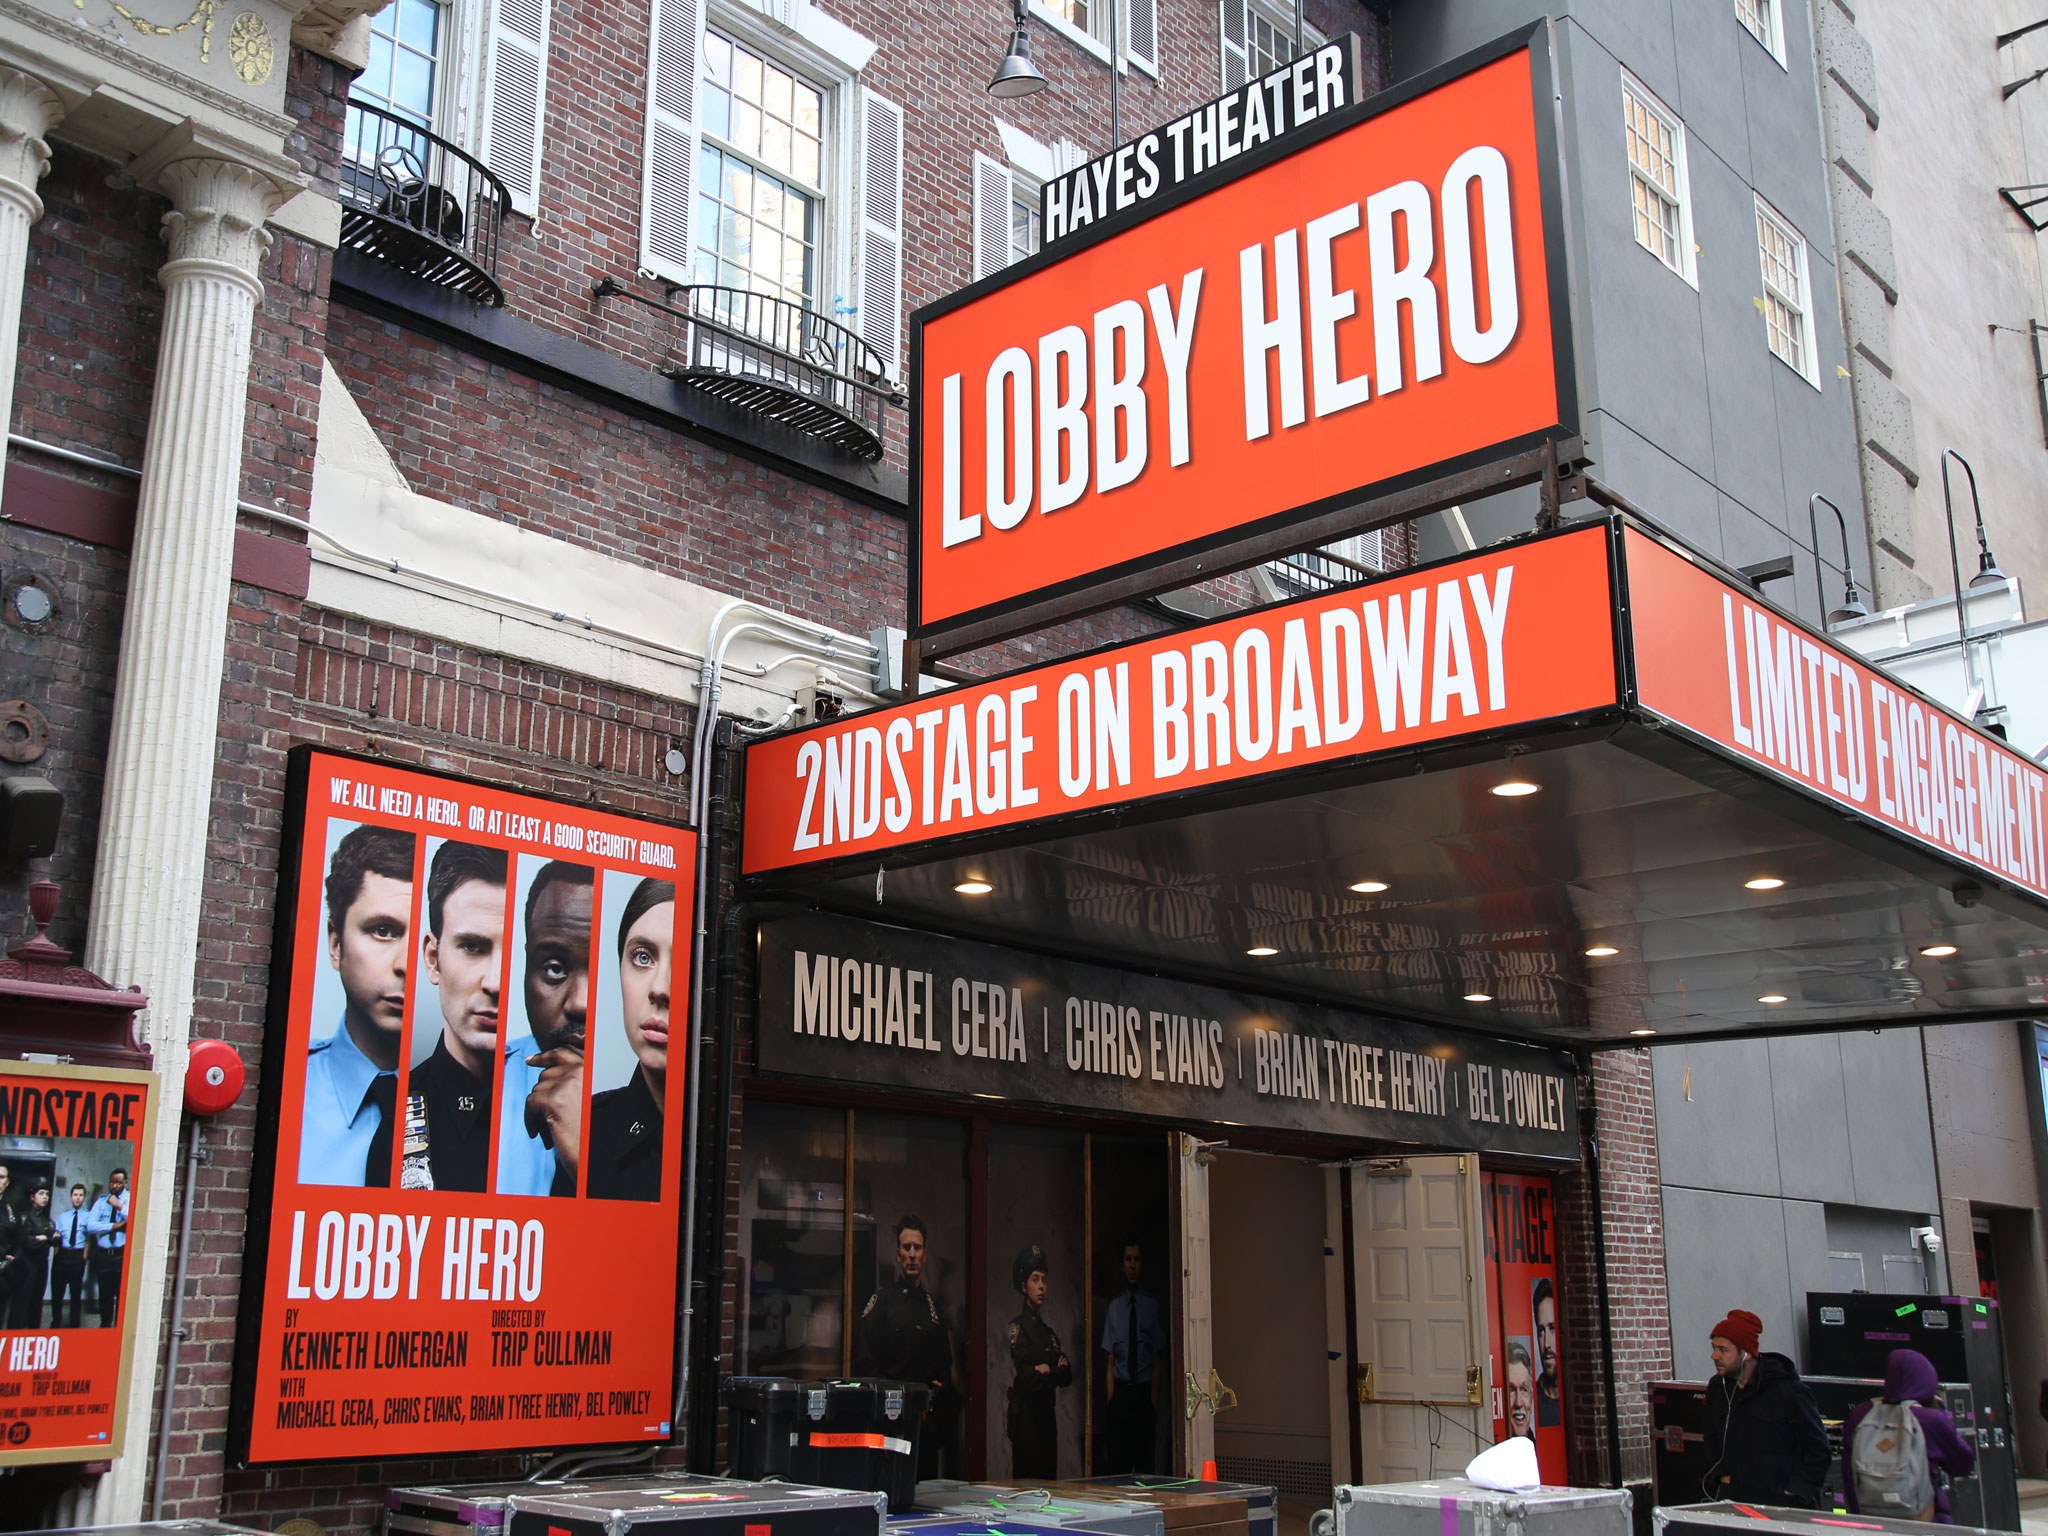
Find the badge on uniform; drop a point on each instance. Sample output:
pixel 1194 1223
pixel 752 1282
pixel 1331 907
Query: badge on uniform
pixel 415 1173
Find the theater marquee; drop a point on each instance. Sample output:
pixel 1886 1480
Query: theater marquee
pixel 1370 305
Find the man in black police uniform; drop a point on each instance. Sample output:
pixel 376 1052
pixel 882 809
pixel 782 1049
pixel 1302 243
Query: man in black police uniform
pixel 902 1338
pixel 449 1096
pixel 1042 1369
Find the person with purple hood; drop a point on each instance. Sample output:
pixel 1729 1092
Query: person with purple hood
pixel 1909 1377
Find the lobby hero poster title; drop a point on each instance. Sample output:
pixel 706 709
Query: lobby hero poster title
pixel 471 1129
pixel 1370 304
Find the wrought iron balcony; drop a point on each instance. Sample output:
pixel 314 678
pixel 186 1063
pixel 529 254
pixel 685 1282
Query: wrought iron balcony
pixel 411 199
pixel 769 355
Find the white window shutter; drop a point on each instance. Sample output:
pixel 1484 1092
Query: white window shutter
pixel 991 215
pixel 1235 70
pixel 515 97
pixel 881 229
pixel 1141 37
pixel 669 173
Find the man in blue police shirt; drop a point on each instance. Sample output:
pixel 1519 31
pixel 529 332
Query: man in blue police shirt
pixel 71 1252
pixel 108 1223
pixel 346 1129
pixel 540 1099
pixel 1133 1336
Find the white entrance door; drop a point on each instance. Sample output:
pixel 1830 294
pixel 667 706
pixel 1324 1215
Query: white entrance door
pixel 1418 1293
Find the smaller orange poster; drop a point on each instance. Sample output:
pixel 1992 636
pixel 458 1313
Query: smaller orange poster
pixel 74 1164
pixel 1526 1316
pixel 464 1231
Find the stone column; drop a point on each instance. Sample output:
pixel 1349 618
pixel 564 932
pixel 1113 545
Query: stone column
pixel 28 110
pixel 156 806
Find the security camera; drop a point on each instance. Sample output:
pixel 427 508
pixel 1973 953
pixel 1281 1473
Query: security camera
pixel 1925 1237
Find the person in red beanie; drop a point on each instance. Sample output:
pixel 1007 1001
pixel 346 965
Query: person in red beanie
pixel 1762 1423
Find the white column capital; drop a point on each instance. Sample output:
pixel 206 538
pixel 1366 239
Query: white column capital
pixel 28 110
pixel 216 222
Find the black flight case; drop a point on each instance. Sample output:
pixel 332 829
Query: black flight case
pixel 835 1434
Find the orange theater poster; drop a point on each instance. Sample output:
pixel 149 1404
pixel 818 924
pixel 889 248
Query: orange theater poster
pixel 1525 1316
pixel 1374 309
pixel 74 1164
pixel 465 1223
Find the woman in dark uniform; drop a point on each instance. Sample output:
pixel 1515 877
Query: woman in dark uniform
pixel 625 1123
pixel 1042 1369
pixel 38 1238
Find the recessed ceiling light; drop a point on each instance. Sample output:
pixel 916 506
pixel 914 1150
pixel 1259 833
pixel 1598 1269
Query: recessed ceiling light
pixel 1369 887
pixel 1601 951
pixel 1642 1031
pixel 1512 788
pixel 1262 950
pixel 1938 951
pixel 1772 997
pixel 973 887
pixel 1478 997
pixel 1762 883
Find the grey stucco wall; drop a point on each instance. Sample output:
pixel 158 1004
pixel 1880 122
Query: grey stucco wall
pixel 1687 413
pixel 1773 1153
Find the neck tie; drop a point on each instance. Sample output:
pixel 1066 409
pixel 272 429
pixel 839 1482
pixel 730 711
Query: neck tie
pixel 377 1161
pixel 74 1243
pixel 1131 1341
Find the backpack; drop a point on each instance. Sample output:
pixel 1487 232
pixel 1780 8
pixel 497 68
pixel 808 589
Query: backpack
pixel 1889 1461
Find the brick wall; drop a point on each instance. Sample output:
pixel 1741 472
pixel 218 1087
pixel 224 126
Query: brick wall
pixel 1622 1101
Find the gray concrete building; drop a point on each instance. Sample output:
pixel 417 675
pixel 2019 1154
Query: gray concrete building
pixel 1719 394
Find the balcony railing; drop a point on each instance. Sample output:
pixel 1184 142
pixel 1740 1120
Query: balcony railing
pixel 411 199
pixel 777 358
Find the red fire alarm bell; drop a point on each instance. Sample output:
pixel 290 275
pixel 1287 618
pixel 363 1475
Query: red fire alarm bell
pixel 213 1077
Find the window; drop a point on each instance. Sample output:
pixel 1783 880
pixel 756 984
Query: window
pixel 760 195
pixel 1787 311
pixel 1092 24
pixel 1341 564
pixel 1006 228
pixel 472 73
pixel 1765 23
pixel 405 62
pixel 1024 229
pixel 768 168
pixel 1657 180
pixel 1258 37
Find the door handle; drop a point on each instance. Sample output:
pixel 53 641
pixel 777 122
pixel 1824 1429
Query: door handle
pixel 1222 1398
pixel 1362 1376
pixel 1472 1385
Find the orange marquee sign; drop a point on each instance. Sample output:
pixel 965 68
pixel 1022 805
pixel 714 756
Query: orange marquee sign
pixel 1733 670
pixel 1508 637
pixel 1368 306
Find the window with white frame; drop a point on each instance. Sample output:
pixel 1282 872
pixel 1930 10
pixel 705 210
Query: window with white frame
pixel 1657 179
pixel 1258 37
pixel 471 72
pixel 760 182
pixel 770 170
pixel 1765 22
pixel 1787 301
pixel 1344 563
pixel 1006 227
pixel 1094 24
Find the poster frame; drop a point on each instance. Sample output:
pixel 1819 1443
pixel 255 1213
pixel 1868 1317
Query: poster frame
pixel 139 1188
pixel 1539 455
pixel 242 1381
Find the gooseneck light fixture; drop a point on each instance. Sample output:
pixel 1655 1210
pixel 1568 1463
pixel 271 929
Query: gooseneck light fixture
pixel 1017 75
pixel 1852 600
